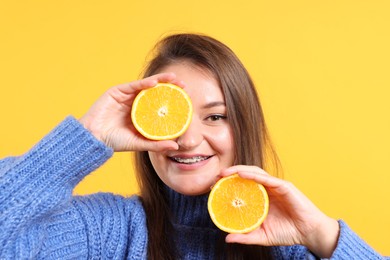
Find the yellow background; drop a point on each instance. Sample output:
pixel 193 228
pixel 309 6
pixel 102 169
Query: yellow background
pixel 321 67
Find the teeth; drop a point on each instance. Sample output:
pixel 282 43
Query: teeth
pixel 190 160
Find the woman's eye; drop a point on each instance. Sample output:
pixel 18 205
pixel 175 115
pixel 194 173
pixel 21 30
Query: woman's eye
pixel 216 117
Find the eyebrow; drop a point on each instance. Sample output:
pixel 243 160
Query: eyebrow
pixel 214 104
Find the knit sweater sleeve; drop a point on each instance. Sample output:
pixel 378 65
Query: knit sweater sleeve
pixel 349 246
pixel 35 185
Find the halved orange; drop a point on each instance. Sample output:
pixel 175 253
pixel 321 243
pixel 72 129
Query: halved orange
pixel 238 205
pixel 162 112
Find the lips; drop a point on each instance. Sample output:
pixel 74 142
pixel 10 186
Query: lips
pixel 189 160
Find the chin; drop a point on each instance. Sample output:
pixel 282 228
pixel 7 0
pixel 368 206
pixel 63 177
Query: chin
pixel 190 190
pixel 191 184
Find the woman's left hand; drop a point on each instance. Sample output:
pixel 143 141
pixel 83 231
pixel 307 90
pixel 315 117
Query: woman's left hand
pixel 292 218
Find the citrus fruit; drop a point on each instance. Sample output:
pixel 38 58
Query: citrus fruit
pixel 238 205
pixel 162 112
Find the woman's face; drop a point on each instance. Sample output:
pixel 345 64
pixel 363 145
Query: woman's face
pixel 207 146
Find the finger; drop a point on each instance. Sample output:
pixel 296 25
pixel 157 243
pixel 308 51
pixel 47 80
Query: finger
pixel 163 77
pixel 179 83
pixel 253 173
pixel 248 239
pixel 264 179
pixel 138 85
pixel 242 168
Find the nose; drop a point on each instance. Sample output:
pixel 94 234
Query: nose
pixel 192 137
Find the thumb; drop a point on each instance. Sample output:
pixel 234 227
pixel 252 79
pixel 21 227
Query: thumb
pixel 159 146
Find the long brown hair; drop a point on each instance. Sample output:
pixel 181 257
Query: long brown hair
pixel 244 112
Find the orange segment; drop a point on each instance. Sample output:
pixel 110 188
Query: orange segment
pixel 163 112
pixel 238 205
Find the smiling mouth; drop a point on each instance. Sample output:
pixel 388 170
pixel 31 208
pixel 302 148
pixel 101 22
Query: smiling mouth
pixel 190 160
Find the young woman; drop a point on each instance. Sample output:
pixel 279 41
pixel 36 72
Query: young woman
pixel 169 220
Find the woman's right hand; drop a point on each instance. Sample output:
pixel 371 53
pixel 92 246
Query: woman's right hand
pixel 109 118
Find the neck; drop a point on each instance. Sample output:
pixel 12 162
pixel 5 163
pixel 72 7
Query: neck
pixel 189 210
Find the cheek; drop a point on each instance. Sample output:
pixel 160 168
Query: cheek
pixel 157 161
pixel 222 142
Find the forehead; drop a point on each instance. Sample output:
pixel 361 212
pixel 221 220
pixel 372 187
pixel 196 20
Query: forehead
pixel 200 83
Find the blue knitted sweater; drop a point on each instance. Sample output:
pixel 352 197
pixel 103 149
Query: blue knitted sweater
pixel 40 219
